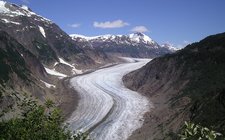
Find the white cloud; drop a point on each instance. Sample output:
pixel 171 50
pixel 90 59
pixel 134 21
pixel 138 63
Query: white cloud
pixel 75 25
pixel 141 29
pixel 110 24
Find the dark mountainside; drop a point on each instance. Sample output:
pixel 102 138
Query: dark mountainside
pixel 29 43
pixel 186 85
pixel 20 73
pixel 45 39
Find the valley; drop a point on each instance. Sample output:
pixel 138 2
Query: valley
pixel 79 75
pixel 106 108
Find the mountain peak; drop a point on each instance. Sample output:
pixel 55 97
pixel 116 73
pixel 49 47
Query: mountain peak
pixel 14 10
pixel 139 34
pixel 26 8
pixel 9 10
pixel 141 37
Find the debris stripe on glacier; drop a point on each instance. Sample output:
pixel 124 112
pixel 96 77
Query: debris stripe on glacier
pixel 102 92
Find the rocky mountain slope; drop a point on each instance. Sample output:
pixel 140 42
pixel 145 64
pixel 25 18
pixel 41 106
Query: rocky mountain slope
pixel 132 45
pixel 45 39
pixel 36 54
pixel 21 73
pixel 186 85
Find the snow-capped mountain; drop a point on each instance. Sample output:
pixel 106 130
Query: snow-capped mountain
pixel 170 47
pixel 13 10
pixel 140 37
pixel 134 38
pixel 135 44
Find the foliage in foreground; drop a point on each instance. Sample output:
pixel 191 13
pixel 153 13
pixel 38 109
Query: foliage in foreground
pixel 37 122
pixel 193 131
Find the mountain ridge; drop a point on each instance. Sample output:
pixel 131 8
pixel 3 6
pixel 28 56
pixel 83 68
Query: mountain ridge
pixel 134 44
pixel 136 37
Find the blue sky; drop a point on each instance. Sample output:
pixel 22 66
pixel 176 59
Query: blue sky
pixel 175 21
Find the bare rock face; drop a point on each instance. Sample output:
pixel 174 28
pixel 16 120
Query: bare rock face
pixel 186 85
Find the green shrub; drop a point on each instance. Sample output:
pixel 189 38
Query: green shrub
pixel 37 122
pixel 193 131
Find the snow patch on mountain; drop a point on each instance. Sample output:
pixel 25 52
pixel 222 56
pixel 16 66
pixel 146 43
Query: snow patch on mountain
pixel 169 46
pixel 28 11
pixel 41 29
pixel 3 9
pixel 64 62
pixel 80 36
pixel 55 73
pixel 13 10
pixel 74 70
pixel 8 21
pixel 47 84
pixel 102 37
pixel 25 7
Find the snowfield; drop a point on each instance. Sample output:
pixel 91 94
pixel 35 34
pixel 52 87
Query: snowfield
pixel 107 109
